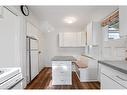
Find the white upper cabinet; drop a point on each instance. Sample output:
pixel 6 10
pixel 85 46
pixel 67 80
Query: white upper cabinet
pixel 105 33
pixel 122 20
pixel 93 33
pixel 72 39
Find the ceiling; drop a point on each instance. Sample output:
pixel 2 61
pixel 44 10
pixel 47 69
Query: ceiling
pixel 53 16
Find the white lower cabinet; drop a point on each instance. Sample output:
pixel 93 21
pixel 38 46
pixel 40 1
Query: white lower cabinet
pixel 112 79
pixel 61 73
pixel 90 73
pixel 108 83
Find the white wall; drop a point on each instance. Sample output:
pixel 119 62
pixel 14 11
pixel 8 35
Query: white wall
pixel 22 43
pixel 39 35
pixel 9 39
pixel 41 49
pixel 114 49
pixel 52 49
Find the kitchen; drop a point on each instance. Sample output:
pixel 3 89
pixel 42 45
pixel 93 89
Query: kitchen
pixel 63 47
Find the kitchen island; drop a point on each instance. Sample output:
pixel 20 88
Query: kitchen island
pixel 62 70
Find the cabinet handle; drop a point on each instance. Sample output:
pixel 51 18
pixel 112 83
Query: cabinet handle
pixel 121 78
pixel 39 52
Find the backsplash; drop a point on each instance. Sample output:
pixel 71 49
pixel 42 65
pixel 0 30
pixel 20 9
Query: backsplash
pixel 114 49
pixel 92 51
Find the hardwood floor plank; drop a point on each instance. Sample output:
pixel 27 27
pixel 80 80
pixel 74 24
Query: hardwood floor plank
pixel 44 81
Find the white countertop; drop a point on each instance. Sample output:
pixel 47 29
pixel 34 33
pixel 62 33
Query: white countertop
pixel 8 73
pixel 117 65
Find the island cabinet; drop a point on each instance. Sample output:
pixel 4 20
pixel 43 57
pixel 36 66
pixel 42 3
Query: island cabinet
pixel 61 73
pixel 93 33
pixel 123 21
pixel 112 79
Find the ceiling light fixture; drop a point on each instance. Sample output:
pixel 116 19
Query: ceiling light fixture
pixel 70 20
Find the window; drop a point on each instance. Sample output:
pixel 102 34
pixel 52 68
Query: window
pixel 113 30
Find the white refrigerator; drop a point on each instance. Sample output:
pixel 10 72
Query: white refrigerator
pixel 32 58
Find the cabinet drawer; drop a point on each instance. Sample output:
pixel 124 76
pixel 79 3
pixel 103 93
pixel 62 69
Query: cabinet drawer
pixel 62 80
pixel 61 63
pixel 119 77
pixel 65 74
pixel 61 68
pixel 108 83
pixel 61 72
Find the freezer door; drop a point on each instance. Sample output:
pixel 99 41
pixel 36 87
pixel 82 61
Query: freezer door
pixel 33 44
pixel 34 64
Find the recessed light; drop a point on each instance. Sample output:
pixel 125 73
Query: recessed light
pixel 70 20
pixel 48 30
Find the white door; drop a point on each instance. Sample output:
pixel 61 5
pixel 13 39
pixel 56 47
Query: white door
pixel 33 44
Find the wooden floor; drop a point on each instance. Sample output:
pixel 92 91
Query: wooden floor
pixel 44 81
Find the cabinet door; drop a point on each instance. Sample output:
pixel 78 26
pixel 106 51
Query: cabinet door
pixel 105 33
pixel 93 33
pixel 96 33
pixel 107 83
pixel 122 20
pixel 90 73
pixel 83 38
pixel 78 39
pixel 89 34
pixel 61 40
pixel 92 69
pixel 70 39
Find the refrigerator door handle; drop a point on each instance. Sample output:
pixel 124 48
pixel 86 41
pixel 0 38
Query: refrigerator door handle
pixel 39 52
